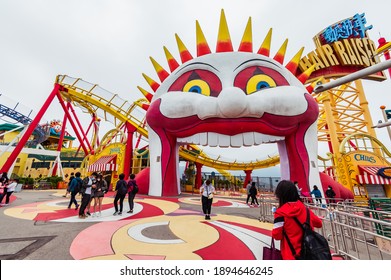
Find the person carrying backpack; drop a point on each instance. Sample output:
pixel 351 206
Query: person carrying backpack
pixel 132 190
pixel 285 227
pixel 121 189
pixel 74 189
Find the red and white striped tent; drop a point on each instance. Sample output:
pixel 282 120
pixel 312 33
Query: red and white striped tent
pixel 104 163
pixel 368 176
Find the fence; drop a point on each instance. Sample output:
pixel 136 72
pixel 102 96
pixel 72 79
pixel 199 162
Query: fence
pixel 353 231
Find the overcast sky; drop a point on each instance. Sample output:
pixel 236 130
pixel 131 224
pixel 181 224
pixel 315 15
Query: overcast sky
pixel 109 42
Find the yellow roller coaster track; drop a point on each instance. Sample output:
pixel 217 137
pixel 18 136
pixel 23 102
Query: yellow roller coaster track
pixel 114 109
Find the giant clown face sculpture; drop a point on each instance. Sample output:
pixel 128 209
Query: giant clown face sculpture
pixel 231 99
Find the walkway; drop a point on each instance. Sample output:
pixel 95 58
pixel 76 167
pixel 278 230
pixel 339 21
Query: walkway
pixel 38 226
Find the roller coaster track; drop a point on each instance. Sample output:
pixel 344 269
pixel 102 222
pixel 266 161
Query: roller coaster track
pixel 114 109
pixel 39 133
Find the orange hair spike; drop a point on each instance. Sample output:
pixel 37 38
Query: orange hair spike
pixel 224 43
pixel 246 44
pixel 294 63
pixel 172 63
pixel 154 85
pixel 147 94
pixel 183 52
pixel 306 74
pixel 162 74
pixel 202 44
pixel 265 47
pixel 280 55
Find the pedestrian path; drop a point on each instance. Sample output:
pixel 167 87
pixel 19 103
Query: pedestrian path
pixel 159 228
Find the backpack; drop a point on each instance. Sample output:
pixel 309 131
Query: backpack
pixel 78 186
pixel 122 187
pixel 135 188
pixel 313 246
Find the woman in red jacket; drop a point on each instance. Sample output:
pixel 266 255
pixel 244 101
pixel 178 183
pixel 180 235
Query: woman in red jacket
pixel 290 206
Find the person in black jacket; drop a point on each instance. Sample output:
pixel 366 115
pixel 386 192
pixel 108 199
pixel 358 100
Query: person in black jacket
pixel 253 194
pixel 330 194
pixel 121 189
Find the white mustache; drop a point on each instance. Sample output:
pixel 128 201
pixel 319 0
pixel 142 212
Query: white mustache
pixel 233 103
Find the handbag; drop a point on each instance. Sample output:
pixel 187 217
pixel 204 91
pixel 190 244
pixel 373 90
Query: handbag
pixel 271 253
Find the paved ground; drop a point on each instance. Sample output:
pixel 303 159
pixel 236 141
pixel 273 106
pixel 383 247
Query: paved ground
pixel 38 226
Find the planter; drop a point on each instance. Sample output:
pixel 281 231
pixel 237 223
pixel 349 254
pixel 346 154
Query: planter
pixel 62 185
pixel 188 188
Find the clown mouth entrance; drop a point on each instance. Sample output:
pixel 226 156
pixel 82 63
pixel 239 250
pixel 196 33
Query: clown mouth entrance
pixel 246 139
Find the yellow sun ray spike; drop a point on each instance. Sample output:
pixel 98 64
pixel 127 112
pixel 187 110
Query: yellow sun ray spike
pixel 246 45
pixel 183 52
pixel 202 44
pixel 172 63
pixel 294 63
pixel 147 94
pixel 162 74
pixel 224 43
pixel 265 47
pixel 306 74
pixel 280 55
pixel 310 88
pixel 154 85
pixel 142 105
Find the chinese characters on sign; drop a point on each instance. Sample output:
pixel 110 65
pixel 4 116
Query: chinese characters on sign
pixel 388 114
pixel 353 27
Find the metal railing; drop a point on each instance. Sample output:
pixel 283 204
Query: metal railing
pixel 353 231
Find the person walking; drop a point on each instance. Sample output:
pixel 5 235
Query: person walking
pixel 74 189
pixel 330 194
pixel 86 191
pixel 10 189
pixel 285 227
pixel 207 190
pixel 318 195
pixel 253 194
pixel 99 193
pixel 69 184
pixel 248 187
pixel 121 189
pixel 132 190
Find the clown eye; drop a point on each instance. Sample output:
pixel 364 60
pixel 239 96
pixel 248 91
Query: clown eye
pixel 259 82
pixel 197 86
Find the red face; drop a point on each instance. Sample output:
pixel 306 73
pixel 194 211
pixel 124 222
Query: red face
pixel 229 99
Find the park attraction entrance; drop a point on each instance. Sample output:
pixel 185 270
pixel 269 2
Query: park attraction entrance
pixel 196 99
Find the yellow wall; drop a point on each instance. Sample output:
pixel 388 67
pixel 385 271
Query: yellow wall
pixel 364 158
pixel 20 164
pixel 112 149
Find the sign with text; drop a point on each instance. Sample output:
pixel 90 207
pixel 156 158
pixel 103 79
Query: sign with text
pixel 341 49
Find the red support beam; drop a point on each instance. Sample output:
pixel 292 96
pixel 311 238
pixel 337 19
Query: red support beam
pixel 248 178
pixel 61 140
pixel 128 161
pixel 35 122
pixel 81 128
pixel 72 123
pixel 198 179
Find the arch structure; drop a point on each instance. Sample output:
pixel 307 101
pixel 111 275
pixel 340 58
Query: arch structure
pixel 231 99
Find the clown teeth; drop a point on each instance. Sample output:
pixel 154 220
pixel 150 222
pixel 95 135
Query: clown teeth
pixel 248 139
pixel 213 139
pixel 224 141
